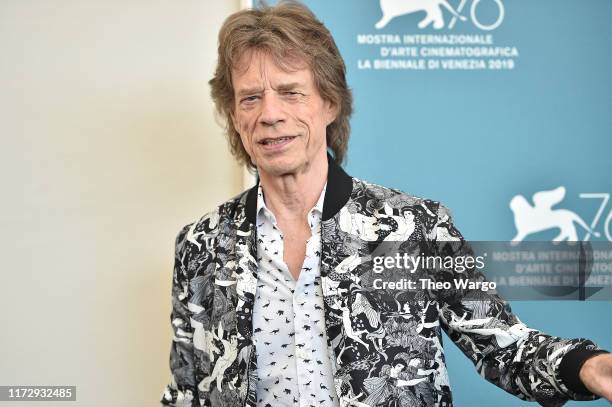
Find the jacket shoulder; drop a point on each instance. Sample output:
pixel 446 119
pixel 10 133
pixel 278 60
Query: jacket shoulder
pixel 375 198
pixel 198 234
pixel 396 198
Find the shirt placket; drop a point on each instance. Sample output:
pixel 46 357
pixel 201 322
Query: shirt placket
pixel 303 303
pixel 309 357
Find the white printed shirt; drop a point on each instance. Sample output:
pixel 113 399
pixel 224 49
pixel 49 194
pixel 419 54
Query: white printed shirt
pixel 294 363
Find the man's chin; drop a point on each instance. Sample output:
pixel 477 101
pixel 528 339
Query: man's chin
pixel 279 166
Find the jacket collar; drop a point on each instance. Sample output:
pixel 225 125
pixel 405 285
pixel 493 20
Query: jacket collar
pixel 339 188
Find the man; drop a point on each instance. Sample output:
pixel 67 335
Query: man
pixel 272 304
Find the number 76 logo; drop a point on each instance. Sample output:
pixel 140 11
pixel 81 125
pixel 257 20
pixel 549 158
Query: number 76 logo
pixel 541 216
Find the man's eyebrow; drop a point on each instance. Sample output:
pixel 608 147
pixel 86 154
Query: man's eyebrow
pixel 283 87
pixel 288 86
pixel 249 91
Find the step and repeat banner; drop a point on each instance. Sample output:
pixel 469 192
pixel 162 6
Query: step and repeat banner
pixel 501 110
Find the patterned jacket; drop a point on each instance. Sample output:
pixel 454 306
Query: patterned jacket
pixel 388 345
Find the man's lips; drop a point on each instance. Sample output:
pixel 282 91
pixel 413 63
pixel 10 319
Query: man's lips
pixel 275 144
pixel 270 141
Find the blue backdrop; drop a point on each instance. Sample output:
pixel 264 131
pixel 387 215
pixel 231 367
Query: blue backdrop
pixel 536 117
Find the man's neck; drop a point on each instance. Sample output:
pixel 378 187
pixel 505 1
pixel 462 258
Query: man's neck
pixel 291 196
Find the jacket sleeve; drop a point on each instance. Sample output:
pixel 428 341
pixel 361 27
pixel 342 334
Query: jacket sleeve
pixel 523 361
pixel 182 389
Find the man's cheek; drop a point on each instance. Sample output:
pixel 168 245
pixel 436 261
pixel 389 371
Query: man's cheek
pixel 246 141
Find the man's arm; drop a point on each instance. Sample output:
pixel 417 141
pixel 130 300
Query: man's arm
pixel 182 389
pixel 522 361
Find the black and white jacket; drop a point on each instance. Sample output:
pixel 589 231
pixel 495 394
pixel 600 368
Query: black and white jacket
pixel 388 345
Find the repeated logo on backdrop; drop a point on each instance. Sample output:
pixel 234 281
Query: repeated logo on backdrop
pixel 434 12
pixel 462 37
pixel 539 216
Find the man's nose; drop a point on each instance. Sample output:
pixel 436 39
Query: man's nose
pixel 271 109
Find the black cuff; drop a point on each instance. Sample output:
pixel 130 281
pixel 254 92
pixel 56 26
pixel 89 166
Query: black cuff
pixel 569 369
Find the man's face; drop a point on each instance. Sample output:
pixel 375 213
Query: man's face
pixel 279 114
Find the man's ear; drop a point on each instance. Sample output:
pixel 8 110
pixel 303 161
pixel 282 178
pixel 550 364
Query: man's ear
pixel 332 111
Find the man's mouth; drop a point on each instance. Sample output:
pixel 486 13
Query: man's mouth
pixel 275 141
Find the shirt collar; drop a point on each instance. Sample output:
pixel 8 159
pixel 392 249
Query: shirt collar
pixel 314 214
pixel 340 190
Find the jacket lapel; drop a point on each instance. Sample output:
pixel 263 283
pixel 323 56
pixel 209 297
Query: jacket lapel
pixel 246 286
pixel 235 284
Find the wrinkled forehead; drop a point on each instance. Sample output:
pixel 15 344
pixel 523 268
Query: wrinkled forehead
pixel 288 62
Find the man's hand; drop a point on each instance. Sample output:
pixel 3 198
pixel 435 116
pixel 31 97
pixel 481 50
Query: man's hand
pixel 596 374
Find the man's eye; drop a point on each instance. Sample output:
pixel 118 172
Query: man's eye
pixel 292 94
pixel 249 99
